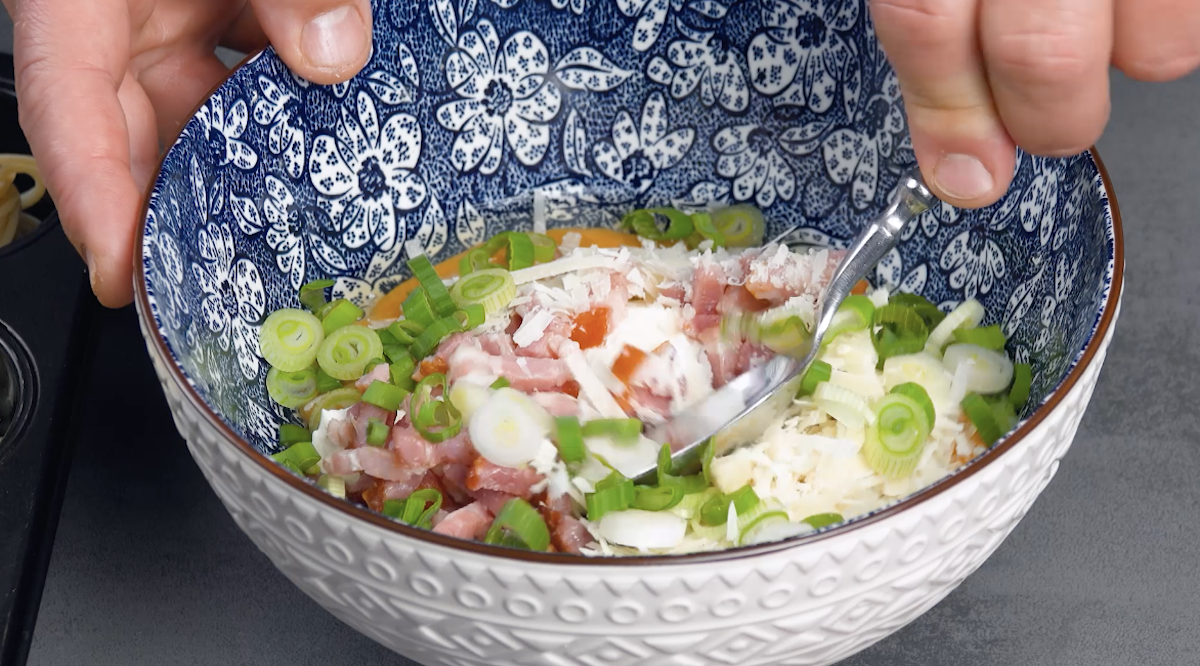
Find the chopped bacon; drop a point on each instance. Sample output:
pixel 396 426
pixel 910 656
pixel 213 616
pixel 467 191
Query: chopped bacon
pixel 513 324
pixel 567 533
pixel 523 374
pixel 558 404
pixel 412 449
pixel 446 349
pixel 439 517
pixel 556 333
pixel 708 287
pixel 571 388
pixel 380 373
pixel 737 298
pixel 648 405
pixel 470 522
pixel 341 432
pixel 777 275
pixel 361 414
pixel 457 450
pixel 379 463
pixel 512 480
pixel 494 500
pixel 454 480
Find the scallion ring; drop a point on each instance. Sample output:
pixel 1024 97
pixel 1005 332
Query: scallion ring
pixel 340 313
pixel 492 288
pixel 434 417
pixel 522 521
pixel 312 295
pixel 290 339
pixel 896 440
pixel 292 389
pixel 345 352
pixel 334 400
pixel 418 308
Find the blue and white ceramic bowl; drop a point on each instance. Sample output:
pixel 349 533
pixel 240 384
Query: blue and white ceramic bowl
pixel 475 116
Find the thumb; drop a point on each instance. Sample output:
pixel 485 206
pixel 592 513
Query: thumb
pixel 325 41
pixel 961 143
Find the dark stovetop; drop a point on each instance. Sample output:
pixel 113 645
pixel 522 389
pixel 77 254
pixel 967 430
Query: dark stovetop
pixel 45 310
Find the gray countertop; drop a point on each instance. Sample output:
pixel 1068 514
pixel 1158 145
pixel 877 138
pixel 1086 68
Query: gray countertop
pixel 150 569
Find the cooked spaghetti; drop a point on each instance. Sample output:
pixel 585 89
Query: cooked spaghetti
pixel 14 222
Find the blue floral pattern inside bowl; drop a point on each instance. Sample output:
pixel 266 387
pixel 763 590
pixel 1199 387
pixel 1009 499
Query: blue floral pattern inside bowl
pixel 477 116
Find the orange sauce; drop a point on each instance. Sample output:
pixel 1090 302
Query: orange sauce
pixel 627 363
pixel 861 287
pixel 591 327
pixel 433 366
pixel 388 306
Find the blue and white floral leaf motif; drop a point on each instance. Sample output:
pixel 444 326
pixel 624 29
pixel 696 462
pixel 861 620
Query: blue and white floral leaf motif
pixel 378 276
pixel 1072 210
pixel 800 56
pixel 294 230
pixel 447 18
pixel 369 169
pixel 639 152
pixel 659 70
pixel 803 140
pixel 585 68
pixel 224 129
pixel 914 281
pixel 750 159
pixel 408 64
pixel 888 270
pixel 234 299
pixel 388 88
pixel 1064 276
pixel 853 158
pixel 574 144
pixel 1019 302
pixel 707 60
pixel 199 186
pixel 503 96
pixel 703 195
pixel 852 89
pixel 277 110
pixel 1039 204
pixel 246 214
pixel 710 8
pixel 434 229
pixel 814 237
pixel 651 15
pixel 469 225
pixel 975 263
pixel 1045 321
pixel 167 267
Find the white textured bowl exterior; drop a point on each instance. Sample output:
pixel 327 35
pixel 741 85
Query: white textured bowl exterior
pixel 812 604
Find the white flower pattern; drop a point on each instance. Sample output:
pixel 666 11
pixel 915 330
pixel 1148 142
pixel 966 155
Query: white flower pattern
pixel 706 60
pixel 369 169
pixel 234 300
pixel 751 160
pixel 853 154
pixel 281 113
pixel 639 151
pixel 503 97
pixel 296 230
pixel 223 129
pixel 801 54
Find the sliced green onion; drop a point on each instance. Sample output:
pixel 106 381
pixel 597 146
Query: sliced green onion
pixel 821 520
pixel 784 336
pixel 660 498
pixel 694 483
pixel 706 459
pixel 395 352
pixel 522 521
pixel 706 228
pixel 716 510
pixel 431 282
pixel 620 430
pixel 920 396
pixel 854 314
pixel 757 527
pixel 1018 395
pixel 312 295
pixel 340 313
pixel 372 363
pixel 412 328
pixel 384 395
pixel 334 485
pixel 500 383
pixel 325 383
pixel 417 308
pixel 897 438
pixel 290 338
pixel 983 417
pixel 689 507
pixel 923 306
pixel 968 314
pixel 290 433
pixel 616 495
pixel 417 510
pixel 817 373
pixel 334 400
pixel 433 336
pixel 902 330
pixel 493 288
pixel 988 337
pixel 298 457
pixel 644 223
pixel 842 404
pixel 377 432
pixel 475 259
pixel 741 225
pixel 401 371
pixel 401 334
pixel 345 352
pixel 543 247
pixel 435 418
pixel 292 389
pixel 470 316
pixel 520 252
pixel 568 437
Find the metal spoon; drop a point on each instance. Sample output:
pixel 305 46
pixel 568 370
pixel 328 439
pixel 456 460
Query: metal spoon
pixel 739 412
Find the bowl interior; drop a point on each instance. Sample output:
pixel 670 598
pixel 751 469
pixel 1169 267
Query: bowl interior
pixel 472 118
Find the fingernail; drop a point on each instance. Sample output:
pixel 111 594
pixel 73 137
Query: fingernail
pixel 335 39
pixel 963 177
pixel 91 266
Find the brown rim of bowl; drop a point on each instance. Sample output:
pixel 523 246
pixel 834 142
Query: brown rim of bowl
pixel 480 548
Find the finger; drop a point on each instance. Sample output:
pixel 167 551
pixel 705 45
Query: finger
pixel 960 142
pixel 325 41
pixel 178 84
pixel 140 121
pixel 70 66
pixel 1157 40
pixel 245 34
pixel 1047 61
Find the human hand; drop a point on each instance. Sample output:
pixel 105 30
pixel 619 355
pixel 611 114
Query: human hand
pixel 102 82
pixel 983 76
